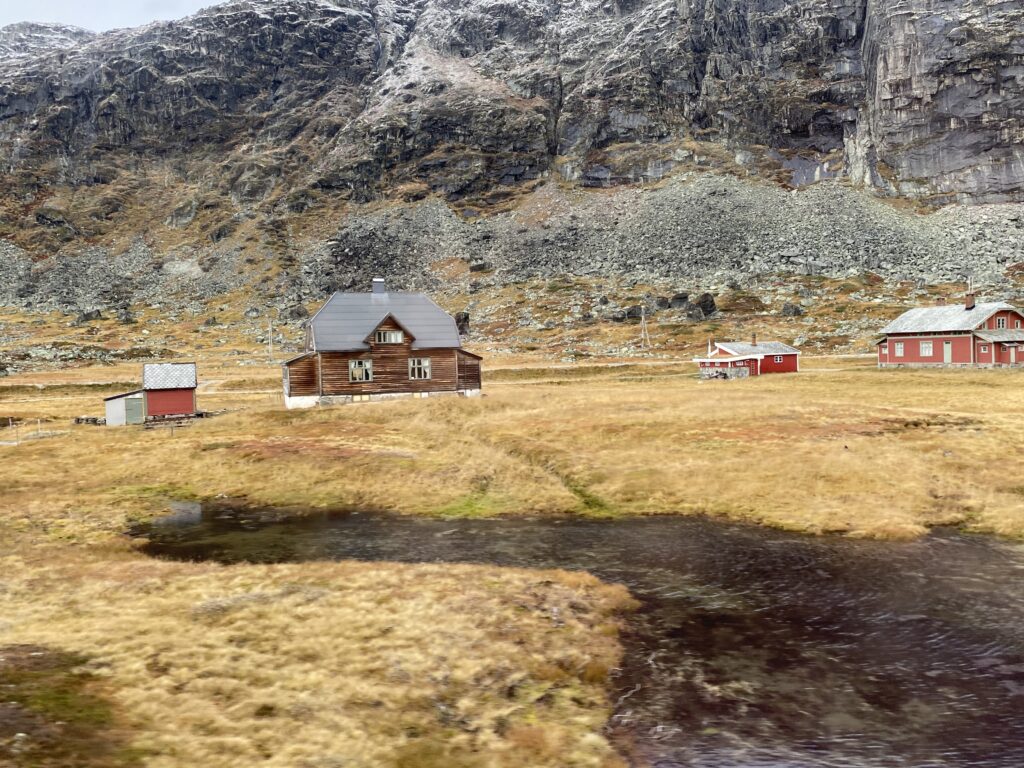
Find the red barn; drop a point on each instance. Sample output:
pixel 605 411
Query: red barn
pixel 169 389
pixel 957 335
pixel 738 359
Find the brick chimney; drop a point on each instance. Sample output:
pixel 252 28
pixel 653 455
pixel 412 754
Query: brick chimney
pixel 969 301
pixel 379 286
pixel 754 341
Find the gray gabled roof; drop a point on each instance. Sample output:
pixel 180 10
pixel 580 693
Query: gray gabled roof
pixel 347 319
pixel 169 376
pixel 954 317
pixel 1002 335
pixel 745 349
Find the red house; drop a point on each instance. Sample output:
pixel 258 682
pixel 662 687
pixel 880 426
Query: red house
pixel 738 359
pixel 957 335
pixel 169 389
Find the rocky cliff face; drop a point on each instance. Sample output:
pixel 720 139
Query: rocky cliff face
pixel 252 122
pixel 465 97
pixel 28 39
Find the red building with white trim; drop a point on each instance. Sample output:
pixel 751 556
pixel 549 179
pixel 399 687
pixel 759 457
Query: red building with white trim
pixel 737 359
pixel 956 335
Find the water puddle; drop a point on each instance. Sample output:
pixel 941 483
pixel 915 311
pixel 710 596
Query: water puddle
pixel 753 648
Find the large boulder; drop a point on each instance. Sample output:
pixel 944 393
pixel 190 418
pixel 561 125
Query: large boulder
pixel 680 301
pixel 706 302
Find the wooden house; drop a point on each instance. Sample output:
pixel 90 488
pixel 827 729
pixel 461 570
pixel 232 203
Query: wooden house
pixel 168 390
pixel 376 345
pixel 954 335
pixel 737 359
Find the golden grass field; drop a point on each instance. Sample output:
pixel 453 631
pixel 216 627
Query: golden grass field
pixel 351 664
pixel 840 447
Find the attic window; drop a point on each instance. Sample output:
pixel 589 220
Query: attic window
pixel 419 368
pixel 360 370
pixel 1000 322
pixel 389 337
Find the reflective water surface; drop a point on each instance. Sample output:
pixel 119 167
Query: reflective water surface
pixel 753 648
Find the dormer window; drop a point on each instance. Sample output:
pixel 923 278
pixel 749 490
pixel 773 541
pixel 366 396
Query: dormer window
pixel 389 337
pixel 1000 322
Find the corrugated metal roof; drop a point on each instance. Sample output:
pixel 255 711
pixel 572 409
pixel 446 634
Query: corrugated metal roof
pixel 1002 335
pixel 347 319
pixel 169 376
pixel 953 317
pixel 742 348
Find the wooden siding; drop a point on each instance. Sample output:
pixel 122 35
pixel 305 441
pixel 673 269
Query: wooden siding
pixel 390 371
pixel 469 371
pixel 1012 319
pixel 960 349
pixel 302 377
pixel 790 364
pixel 170 402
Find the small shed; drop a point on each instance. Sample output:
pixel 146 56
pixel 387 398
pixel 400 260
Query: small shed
pixel 129 408
pixel 170 389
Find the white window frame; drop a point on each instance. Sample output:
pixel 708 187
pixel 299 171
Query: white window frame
pixel 885 349
pixel 419 369
pixel 389 337
pixel 926 348
pixel 1001 323
pixel 897 349
pixel 1016 323
pixel 779 358
pixel 984 349
pixel 360 371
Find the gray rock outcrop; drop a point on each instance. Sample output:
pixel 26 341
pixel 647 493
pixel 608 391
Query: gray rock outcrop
pixel 469 98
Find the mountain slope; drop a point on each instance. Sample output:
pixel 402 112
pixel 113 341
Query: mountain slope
pixel 466 96
pixel 248 140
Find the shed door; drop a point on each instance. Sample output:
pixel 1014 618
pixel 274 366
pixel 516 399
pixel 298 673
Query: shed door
pixel 133 410
pixel 1013 355
pixel 947 352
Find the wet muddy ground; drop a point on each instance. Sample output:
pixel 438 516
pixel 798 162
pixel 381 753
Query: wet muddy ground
pixel 753 647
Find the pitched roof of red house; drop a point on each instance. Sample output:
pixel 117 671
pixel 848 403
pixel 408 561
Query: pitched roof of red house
pixel 954 317
pixel 761 348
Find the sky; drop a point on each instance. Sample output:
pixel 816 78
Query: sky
pixel 98 15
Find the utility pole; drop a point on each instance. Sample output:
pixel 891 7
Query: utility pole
pixel 270 337
pixel 645 337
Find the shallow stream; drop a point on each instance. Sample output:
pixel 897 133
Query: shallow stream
pixel 753 647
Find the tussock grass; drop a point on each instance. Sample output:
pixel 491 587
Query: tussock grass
pixel 359 664
pixel 387 665
pixel 840 447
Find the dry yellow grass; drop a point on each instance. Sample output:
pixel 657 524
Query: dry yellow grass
pixel 840 447
pixel 327 664
pixel 386 665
